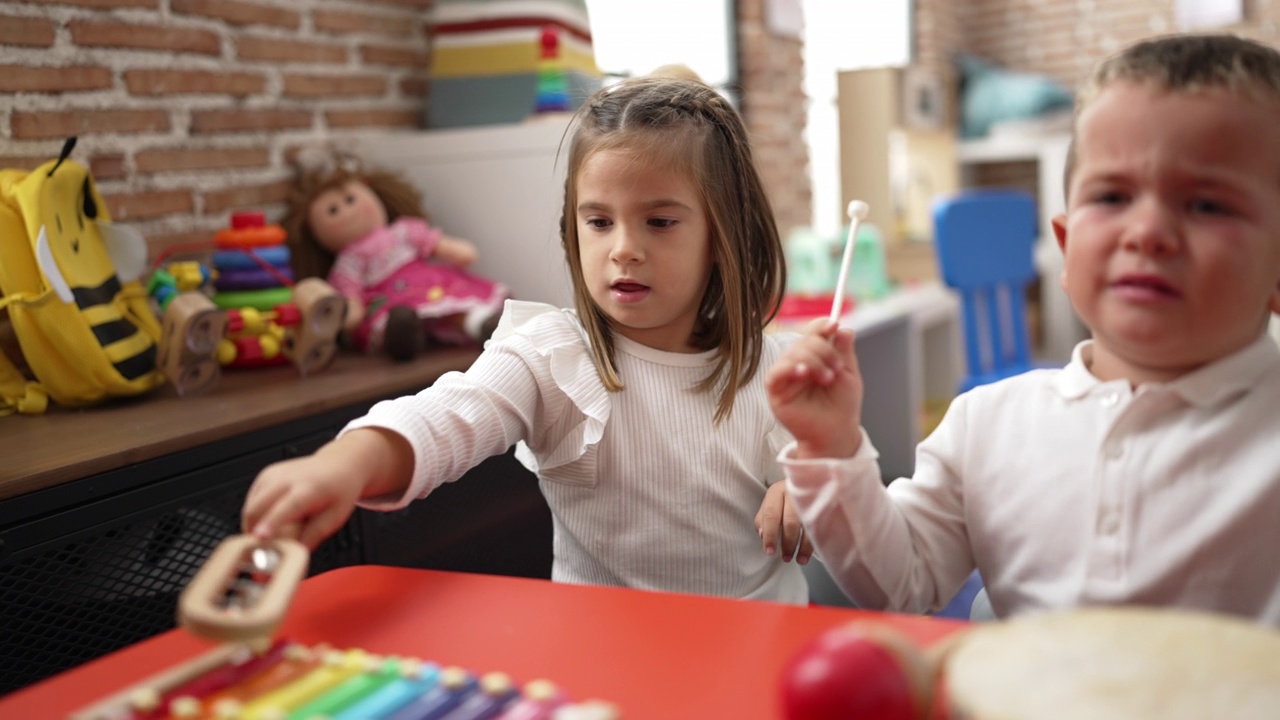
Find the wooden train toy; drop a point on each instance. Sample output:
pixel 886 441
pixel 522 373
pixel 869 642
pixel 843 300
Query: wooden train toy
pixel 243 310
pixel 239 598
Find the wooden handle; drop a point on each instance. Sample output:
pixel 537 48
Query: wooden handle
pixel 203 609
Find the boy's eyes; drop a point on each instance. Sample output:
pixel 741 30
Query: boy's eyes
pixel 1205 206
pixel 1108 197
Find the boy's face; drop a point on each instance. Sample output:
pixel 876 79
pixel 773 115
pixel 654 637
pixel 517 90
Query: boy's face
pixel 1172 233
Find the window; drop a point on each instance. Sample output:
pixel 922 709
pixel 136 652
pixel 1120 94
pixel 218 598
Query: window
pixel 634 38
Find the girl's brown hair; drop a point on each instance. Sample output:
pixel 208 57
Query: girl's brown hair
pixel 686 126
pixel 308 257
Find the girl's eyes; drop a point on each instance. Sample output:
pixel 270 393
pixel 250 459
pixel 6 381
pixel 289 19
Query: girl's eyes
pixel 333 209
pixel 351 199
pixel 657 223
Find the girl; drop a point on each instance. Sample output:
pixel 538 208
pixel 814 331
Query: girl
pixel 642 411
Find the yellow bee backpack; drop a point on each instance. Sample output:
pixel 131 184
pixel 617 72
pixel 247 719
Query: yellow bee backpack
pixel 85 334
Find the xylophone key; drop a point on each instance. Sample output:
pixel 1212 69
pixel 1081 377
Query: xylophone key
pixel 377 673
pixel 538 701
pixel 336 668
pixel 455 686
pixel 495 693
pixel 415 679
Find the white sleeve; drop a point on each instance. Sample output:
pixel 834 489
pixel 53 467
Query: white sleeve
pixel 903 548
pixel 460 420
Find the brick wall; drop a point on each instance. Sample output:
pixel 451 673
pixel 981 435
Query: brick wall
pixel 1062 39
pixel 187 110
pixel 1065 38
pixel 771 74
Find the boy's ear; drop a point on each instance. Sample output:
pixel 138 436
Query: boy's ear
pixel 1059 223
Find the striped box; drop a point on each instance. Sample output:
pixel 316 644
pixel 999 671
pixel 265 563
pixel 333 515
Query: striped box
pixel 488 59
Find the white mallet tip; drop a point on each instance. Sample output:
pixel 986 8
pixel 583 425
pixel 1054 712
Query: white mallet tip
pixel 858 209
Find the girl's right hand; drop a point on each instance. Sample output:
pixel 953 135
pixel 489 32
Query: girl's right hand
pixel 309 498
pixel 815 391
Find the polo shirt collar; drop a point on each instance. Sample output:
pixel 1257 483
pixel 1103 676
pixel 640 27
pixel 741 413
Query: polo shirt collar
pixel 1211 384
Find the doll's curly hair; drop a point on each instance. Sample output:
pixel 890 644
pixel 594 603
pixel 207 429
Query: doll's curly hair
pixel 308 257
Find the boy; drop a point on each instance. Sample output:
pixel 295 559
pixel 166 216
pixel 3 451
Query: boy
pixel 1147 471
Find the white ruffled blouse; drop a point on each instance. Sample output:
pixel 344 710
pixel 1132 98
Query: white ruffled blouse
pixel 645 490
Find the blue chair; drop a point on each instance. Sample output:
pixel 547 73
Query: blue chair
pixel 985 241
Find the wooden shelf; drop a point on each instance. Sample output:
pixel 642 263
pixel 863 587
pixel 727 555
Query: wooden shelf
pixel 65 445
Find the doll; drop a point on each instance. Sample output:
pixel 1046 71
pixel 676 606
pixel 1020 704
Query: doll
pixel 405 282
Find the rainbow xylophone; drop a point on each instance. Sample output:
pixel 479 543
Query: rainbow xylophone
pixel 240 596
pixel 289 681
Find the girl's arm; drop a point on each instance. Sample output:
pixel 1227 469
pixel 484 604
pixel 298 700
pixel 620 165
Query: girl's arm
pixel 461 420
pixel 309 498
pixel 402 449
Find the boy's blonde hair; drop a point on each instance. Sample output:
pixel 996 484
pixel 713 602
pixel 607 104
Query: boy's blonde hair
pixel 1186 63
pixel 685 126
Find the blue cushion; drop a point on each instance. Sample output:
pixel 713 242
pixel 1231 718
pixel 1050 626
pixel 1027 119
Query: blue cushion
pixel 992 94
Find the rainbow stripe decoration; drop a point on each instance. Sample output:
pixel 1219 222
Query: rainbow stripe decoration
pixel 288 681
pixel 489 62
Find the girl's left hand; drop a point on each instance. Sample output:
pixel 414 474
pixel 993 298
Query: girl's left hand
pixel 779 526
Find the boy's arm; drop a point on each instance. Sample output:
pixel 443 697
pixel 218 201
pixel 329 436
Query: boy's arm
pixel 815 392
pixel 904 548
pixel 887 552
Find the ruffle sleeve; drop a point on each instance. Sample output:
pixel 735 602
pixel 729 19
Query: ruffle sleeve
pixel 564 449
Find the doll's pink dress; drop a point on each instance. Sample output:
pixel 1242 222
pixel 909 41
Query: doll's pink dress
pixel 391 266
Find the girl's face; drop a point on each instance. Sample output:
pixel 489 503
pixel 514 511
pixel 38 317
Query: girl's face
pixel 1172 233
pixel 343 215
pixel 645 248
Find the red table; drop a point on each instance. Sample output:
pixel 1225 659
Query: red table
pixel 656 655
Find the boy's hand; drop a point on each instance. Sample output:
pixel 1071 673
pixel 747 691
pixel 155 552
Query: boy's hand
pixel 309 498
pixel 815 391
pixel 778 525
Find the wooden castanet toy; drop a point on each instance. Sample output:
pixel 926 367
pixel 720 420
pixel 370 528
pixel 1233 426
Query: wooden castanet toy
pixel 1103 663
pixel 241 595
pixel 243 590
